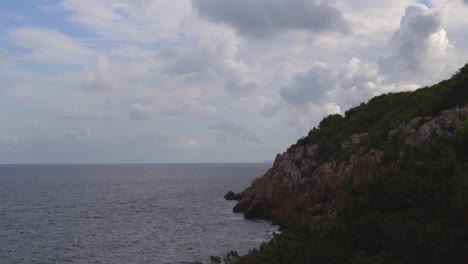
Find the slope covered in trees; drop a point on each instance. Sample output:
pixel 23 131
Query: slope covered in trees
pixel 413 208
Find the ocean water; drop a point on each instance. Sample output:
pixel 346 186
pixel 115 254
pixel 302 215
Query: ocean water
pixel 124 213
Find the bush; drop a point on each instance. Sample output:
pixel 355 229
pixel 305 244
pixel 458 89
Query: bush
pixel 461 135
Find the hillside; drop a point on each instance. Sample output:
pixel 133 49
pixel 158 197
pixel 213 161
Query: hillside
pixel 385 183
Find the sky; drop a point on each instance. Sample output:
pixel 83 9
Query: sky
pixel 163 81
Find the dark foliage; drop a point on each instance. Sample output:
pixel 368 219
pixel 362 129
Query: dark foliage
pixel 384 112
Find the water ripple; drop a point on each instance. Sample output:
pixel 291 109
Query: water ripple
pixel 124 213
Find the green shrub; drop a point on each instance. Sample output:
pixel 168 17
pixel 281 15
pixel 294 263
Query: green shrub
pixel 461 135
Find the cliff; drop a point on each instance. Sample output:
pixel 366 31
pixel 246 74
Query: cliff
pixel 300 182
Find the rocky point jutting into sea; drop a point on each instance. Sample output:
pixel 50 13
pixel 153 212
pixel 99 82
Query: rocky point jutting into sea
pixel 299 182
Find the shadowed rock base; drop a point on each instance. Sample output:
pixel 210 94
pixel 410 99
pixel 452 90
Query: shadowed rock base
pixel 231 196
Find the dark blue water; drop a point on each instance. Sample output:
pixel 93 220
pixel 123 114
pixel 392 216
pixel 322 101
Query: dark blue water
pixel 124 213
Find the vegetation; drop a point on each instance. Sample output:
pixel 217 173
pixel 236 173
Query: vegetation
pixel 416 211
pixel 383 113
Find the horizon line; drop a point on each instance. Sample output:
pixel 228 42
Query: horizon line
pixel 137 163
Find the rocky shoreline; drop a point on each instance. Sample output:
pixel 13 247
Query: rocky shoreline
pixel 300 183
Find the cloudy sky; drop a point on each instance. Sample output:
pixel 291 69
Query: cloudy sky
pixel 105 81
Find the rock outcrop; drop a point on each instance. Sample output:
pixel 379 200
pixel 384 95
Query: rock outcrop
pixel 231 196
pixel 299 182
pixel 422 129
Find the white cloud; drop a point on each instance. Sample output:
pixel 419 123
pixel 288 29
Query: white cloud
pixel 134 21
pixel 186 67
pixel 310 86
pixel 342 86
pixel 419 39
pixel 49 46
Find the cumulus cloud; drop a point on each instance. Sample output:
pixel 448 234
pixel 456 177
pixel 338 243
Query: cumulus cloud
pixel 183 63
pixel 230 129
pixel 311 86
pixel 263 18
pixel 333 88
pixel 419 38
pixel 357 81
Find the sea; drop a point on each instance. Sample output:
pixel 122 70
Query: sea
pixel 145 213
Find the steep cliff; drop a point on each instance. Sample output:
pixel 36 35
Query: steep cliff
pixel 299 182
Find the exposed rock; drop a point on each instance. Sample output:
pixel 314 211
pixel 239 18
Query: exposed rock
pixel 353 140
pixel 312 151
pixel 287 188
pixel 421 129
pixel 299 153
pixel 242 205
pixel 257 210
pixel 299 182
pixel 231 196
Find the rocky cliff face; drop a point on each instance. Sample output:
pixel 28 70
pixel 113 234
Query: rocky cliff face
pixel 299 183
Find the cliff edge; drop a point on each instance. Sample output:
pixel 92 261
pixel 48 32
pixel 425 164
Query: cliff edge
pixel 300 182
